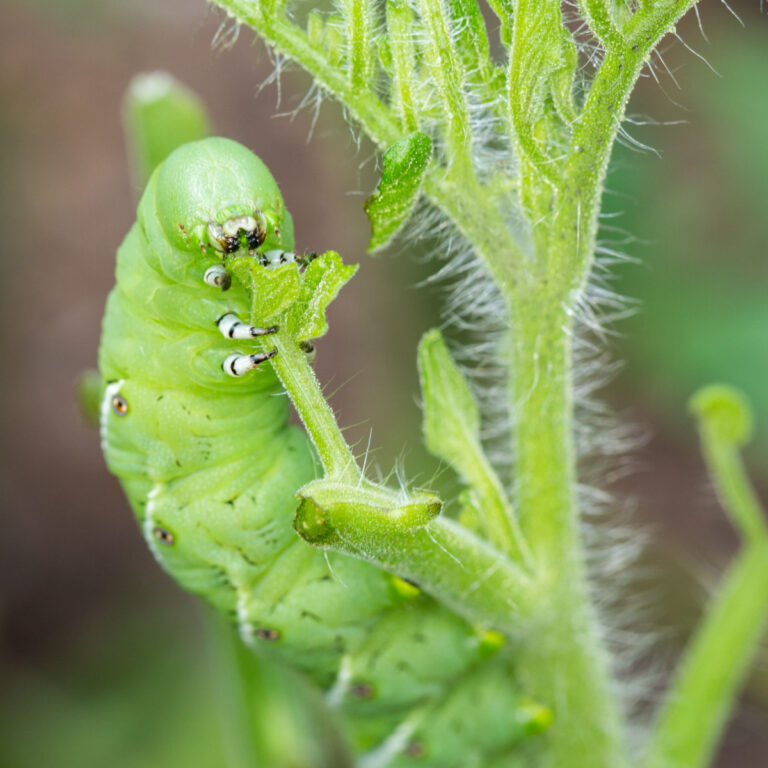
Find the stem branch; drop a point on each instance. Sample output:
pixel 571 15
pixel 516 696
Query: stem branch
pixel 440 556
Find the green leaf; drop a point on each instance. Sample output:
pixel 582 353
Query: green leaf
pixel 321 282
pixel 295 300
pixel 452 433
pixel 160 114
pixel 405 164
pixel 273 290
pixel 451 418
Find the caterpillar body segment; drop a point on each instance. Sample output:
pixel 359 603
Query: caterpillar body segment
pixel 211 465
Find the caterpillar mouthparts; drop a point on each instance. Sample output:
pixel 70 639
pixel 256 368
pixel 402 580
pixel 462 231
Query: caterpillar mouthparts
pixel 228 236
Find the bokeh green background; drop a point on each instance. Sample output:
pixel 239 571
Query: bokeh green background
pixel 102 660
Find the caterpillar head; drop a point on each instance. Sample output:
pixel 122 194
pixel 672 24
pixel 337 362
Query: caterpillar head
pixel 216 197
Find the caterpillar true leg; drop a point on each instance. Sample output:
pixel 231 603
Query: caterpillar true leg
pixel 217 277
pixel 239 365
pixel 308 348
pixel 277 257
pixel 233 327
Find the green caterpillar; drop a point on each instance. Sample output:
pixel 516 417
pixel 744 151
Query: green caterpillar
pixel 194 425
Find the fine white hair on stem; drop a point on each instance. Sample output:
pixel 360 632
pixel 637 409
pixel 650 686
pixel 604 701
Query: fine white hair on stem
pixel 226 35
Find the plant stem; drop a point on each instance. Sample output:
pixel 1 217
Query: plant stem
pixel 696 710
pixel 542 401
pixel 302 385
pixel 566 665
pixel 734 490
pixel 443 558
pixel 698 703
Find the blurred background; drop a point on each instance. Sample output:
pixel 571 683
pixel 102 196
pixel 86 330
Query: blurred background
pixel 103 661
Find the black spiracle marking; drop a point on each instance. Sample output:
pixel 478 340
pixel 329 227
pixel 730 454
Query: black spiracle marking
pixel 119 405
pixel 415 749
pixel 361 690
pixel 164 536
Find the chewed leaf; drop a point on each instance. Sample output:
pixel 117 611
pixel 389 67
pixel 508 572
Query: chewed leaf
pixel 273 290
pixel 451 418
pixel 320 284
pixel 293 299
pixel 389 206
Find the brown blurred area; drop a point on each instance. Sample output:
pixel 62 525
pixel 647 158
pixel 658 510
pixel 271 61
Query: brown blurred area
pixel 72 566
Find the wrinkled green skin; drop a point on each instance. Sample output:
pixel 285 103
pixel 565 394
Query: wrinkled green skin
pixel 212 461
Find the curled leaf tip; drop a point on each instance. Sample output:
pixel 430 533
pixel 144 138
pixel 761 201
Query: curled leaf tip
pixel 725 410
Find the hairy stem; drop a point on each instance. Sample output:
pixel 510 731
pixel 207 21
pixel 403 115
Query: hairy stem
pixel 571 660
pixel 567 664
pixel 443 558
pixel 302 385
pixel 542 401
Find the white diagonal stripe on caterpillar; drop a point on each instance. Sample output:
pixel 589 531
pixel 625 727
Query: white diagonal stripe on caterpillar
pixel 106 402
pixel 148 525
